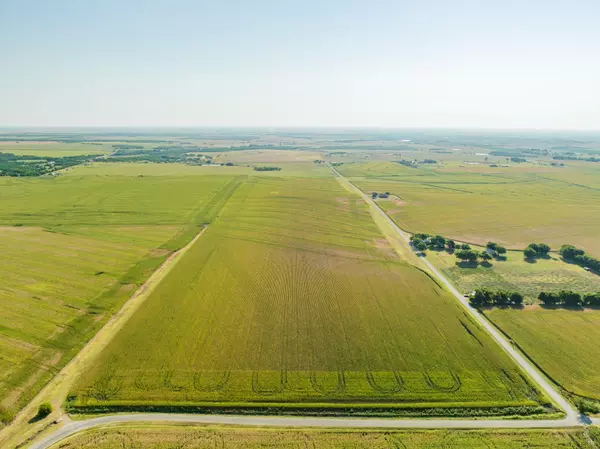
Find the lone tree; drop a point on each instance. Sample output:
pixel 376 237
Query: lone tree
pixel 492 246
pixel 530 253
pixel 500 249
pixel 44 409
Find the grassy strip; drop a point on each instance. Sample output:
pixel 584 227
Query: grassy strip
pixel 294 409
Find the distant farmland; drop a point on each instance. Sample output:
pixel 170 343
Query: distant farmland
pixel 73 250
pixel 513 207
pixel 563 342
pixel 292 298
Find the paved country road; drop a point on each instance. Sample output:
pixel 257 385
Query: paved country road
pixel 280 421
pixel 572 417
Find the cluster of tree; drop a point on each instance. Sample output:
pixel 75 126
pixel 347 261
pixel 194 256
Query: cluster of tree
pixel 577 255
pixel 415 163
pixel 22 165
pixel 518 160
pixel 127 146
pixel 422 241
pixel 570 298
pixel 485 297
pixel 495 249
pixel 267 168
pixel 536 250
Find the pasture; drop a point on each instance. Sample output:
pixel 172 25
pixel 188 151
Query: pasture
pixel 73 250
pixel 564 343
pixel 292 298
pixel 196 437
pixel 513 206
pixel 516 274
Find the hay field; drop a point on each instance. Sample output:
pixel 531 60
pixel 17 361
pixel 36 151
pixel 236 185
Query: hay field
pixel 513 207
pixel 73 250
pixel 196 437
pixel 292 298
pixel 563 342
pixel 517 274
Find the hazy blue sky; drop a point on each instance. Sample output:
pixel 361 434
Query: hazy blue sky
pixel 412 63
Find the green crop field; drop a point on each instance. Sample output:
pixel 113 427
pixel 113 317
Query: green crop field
pixel 74 248
pixel 512 206
pixel 564 343
pixel 196 437
pixel 292 298
pixel 516 274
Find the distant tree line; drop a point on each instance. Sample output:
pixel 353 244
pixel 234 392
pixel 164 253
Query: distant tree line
pixel 575 158
pixel 485 297
pixel 267 168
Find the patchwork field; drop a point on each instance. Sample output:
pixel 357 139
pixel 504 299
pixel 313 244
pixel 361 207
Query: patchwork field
pixel 563 342
pixel 292 298
pixel 73 250
pixel 516 274
pixel 511 206
pixel 196 437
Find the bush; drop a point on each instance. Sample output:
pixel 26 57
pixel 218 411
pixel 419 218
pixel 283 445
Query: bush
pixel 44 409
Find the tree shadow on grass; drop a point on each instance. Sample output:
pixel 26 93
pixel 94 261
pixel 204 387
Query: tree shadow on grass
pixel 466 264
pixel 501 258
pixel 530 260
pixel 562 307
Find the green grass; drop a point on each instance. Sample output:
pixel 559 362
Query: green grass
pixel 188 437
pixel 54 149
pixel 512 206
pixel 516 274
pixel 74 249
pixel 292 298
pixel 564 343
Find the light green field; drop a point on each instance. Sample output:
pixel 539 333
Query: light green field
pixel 511 206
pixel 54 149
pixel 292 298
pixel 563 342
pixel 516 274
pixel 73 250
pixel 197 437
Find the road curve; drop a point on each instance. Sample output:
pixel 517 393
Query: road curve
pixel 572 417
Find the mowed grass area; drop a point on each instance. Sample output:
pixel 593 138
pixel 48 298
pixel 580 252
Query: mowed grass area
pixel 512 206
pixel 516 274
pixel 196 437
pixel 292 298
pixel 73 250
pixel 564 343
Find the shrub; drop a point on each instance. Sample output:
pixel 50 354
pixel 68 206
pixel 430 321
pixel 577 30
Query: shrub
pixel 44 409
